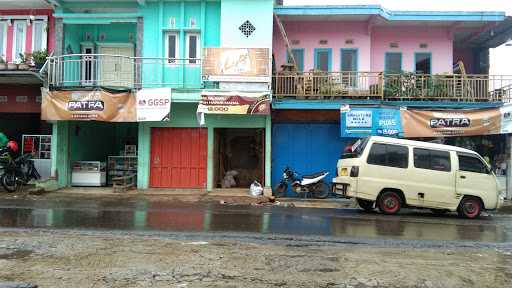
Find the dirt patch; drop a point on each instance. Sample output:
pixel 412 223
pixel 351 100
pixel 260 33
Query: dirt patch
pixel 72 259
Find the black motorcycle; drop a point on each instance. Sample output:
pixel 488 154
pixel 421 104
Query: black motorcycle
pixel 16 172
pixel 312 185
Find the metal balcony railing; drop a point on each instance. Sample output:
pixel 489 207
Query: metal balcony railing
pixel 118 71
pixel 398 87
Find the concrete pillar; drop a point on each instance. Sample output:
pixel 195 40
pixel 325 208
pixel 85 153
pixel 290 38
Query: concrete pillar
pixel 60 153
pixel 268 151
pixel 59 37
pixel 143 153
pixel 209 175
pixel 509 167
pixel 138 52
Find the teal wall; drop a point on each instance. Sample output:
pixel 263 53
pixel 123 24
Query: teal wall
pixel 157 17
pixel 184 115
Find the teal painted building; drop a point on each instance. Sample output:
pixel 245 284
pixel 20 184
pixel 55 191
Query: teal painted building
pixel 159 44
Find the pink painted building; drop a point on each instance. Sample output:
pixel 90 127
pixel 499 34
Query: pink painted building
pixel 25 31
pixel 370 38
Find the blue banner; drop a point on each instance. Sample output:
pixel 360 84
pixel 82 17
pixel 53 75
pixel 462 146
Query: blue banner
pixel 358 122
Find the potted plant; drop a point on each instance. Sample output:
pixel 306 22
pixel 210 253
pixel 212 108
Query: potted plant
pixel 39 58
pixel 3 65
pixel 24 61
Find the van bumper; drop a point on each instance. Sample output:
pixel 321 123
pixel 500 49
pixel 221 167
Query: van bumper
pixel 344 186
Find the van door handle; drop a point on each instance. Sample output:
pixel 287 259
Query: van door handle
pixel 462 177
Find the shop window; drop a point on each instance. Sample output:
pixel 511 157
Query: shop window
pixel 3 39
pixel 298 54
pixel 423 63
pixel 393 63
pixel 193 48
pixel 38 36
pixel 172 47
pixel 323 59
pixel 432 159
pixel 388 155
pixel 20 33
pixel 472 164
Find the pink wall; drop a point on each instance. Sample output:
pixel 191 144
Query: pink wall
pixel 28 45
pixel 409 39
pixel 310 33
pixel 371 46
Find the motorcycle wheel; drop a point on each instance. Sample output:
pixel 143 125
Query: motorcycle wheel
pixel 8 181
pixel 321 190
pixel 280 190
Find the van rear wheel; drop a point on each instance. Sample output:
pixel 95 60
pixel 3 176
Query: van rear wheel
pixel 389 202
pixel 367 205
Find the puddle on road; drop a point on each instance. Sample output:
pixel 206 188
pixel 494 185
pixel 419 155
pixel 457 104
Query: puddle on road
pixel 247 219
pixel 18 254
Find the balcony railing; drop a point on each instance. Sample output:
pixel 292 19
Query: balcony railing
pixel 117 71
pixel 400 87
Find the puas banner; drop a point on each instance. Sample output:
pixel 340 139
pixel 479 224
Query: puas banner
pixel 357 122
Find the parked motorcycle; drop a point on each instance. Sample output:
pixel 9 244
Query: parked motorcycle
pixel 312 185
pixel 19 171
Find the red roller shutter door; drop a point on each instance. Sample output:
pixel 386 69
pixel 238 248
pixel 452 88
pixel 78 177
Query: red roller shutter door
pixel 178 157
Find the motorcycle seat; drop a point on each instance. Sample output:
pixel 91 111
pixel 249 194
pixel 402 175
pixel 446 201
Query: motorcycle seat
pixel 312 176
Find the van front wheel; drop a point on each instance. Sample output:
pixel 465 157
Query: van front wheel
pixel 390 202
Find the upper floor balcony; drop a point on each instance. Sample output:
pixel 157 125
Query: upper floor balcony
pixel 122 72
pixel 392 87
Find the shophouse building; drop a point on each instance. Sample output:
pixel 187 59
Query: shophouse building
pixel 26 29
pixel 153 89
pixel 369 59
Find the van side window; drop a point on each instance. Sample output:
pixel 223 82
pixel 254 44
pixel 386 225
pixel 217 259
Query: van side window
pixel 472 164
pixel 432 159
pixel 389 155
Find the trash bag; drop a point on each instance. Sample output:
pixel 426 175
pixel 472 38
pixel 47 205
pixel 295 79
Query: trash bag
pixel 229 179
pixel 256 189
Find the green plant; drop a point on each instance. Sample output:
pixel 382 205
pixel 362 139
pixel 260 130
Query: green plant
pixel 39 57
pixel 2 61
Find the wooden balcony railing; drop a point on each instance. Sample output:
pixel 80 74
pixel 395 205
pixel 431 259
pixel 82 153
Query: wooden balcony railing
pixel 397 87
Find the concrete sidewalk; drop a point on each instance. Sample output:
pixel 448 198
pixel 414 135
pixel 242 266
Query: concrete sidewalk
pixel 221 196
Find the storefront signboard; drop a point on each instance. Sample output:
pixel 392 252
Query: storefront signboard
pixel 360 122
pixel 442 123
pixel 99 105
pixel 236 64
pixel 213 102
pixel 506 118
pixel 154 104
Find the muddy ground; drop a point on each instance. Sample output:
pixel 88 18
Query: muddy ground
pixel 67 258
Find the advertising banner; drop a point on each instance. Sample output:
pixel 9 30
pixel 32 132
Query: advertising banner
pixel 506 118
pixel 154 104
pixel 236 64
pixel 360 122
pixel 423 123
pixel 213 102
pixel 99 105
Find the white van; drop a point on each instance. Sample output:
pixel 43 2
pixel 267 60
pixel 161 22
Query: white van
pixel 389 174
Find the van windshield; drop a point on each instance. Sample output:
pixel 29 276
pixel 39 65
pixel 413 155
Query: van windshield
pixel 356 149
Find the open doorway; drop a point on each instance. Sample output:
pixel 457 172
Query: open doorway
pixel 239 157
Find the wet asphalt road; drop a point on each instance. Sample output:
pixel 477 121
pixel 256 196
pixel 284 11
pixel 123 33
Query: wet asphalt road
pixel 271 221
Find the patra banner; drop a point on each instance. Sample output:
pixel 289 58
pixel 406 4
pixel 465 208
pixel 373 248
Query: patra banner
pixel 99 105
pixel 424 123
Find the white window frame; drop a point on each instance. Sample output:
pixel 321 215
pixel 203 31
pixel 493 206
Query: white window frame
pixel 177 48
pixel 15 57
pixel 3 50
pixel 198 48
pixel 44 37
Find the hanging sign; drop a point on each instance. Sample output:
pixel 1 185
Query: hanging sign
pixel 361 122
pixel 424 123
pixel 236 64
pixel 99 105
pixel 154 104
